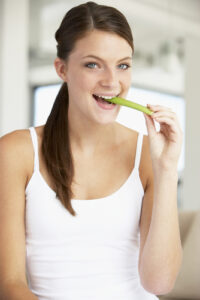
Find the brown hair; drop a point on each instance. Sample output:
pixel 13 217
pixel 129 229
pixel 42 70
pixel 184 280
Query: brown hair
pixel 56 149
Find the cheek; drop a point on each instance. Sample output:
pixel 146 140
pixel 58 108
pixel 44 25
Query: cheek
pixel 77 81
pixel 127 80
pixel 85 81
pixel 80 86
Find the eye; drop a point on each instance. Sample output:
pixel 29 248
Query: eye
pixel 91 65
pixel 124 66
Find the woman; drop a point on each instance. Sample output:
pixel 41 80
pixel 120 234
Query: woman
pixel 98 198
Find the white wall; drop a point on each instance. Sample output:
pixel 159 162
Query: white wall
pixel 1 26
pixel 191 195
pixel 14 107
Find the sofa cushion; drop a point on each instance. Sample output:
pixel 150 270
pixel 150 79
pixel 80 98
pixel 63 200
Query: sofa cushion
pixel 168 298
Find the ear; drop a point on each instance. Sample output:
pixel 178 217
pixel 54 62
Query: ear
pixel 61 68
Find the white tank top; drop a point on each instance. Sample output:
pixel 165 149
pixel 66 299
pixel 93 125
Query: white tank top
pixel 92 256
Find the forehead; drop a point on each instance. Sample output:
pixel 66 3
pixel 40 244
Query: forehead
pixel 101 43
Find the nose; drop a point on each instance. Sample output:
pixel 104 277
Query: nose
pixel 109 79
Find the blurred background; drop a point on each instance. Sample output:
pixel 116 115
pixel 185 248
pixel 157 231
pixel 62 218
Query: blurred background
pixel 165 69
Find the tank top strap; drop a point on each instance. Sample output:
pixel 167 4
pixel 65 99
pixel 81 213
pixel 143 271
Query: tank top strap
pixel 35 147
pixel 138 150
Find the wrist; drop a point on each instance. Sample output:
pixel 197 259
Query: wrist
pixel 165 167
pixel 168 173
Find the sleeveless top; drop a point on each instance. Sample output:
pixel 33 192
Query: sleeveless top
pixel 92 256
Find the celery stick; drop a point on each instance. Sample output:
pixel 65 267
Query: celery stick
pixel 124 102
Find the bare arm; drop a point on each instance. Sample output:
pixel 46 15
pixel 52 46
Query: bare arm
pixel 160 249
pixel 13 177
pixel 16 291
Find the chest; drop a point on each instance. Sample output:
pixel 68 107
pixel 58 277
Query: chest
pixel 102 176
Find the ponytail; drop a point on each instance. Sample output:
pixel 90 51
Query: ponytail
pixel 56 149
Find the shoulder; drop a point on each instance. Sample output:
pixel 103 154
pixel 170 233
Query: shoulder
pixel 132 135
pixel 145 166
pixel 16 141
pixel 19 141
pixel 16 148
pixel 146 162
pixel 126 135
pixel 129 137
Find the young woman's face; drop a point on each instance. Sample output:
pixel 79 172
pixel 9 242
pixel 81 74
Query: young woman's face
pixel 99 64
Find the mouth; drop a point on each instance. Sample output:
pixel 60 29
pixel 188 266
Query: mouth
pixel 104 99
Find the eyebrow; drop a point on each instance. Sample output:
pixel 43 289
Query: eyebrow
pixel 96 57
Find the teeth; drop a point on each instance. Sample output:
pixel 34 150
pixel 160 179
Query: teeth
pixel 105 97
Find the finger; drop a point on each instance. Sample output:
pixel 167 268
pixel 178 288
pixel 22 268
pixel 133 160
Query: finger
pixel 170 115
pixel 160 114
pixel 173 125
pixel 156 108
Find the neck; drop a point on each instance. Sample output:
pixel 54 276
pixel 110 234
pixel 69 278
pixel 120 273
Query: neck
pixel 88 138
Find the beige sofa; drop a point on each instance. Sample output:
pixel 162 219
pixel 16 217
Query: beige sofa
pixel 187 285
